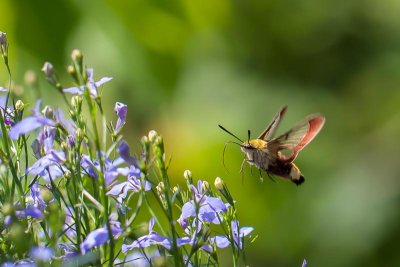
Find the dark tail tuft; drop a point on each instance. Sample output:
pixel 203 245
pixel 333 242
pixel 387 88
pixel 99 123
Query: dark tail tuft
pixel 299 181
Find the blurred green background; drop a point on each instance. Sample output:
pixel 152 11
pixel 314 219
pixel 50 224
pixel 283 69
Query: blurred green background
pixel 185 66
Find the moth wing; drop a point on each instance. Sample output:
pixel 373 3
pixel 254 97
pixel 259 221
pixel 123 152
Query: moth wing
pixel 269 132
pixel 296 138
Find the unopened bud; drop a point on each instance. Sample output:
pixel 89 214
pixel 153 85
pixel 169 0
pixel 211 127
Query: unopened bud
pixel 205 186
pixel 219 184
pixel 159 140
pixel 160 187
pixel 3 44
pixel 76 101
pixel 8 209
pixel 30 78
pixel 3 39
pixel 48 69
pixel 71 70
pixel 187 174
pixel 71 141
pixel 152 135
pixel 79 134
pixel 145 140
pixel 64 147
pixel 77 55
pixel 48 112
pixel 175 190
pixel 19 105
pixel 223 189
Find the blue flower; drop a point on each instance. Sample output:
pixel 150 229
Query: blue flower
pixel 37 197
pixel 49 166
pixel 153 238
pixel 125 154
pixel 41 254
pixel 121 109
pixel 31 123
pixel 31 211
pixel 99 236
pixel 132 184
pixel 236 236
pixel 91 85
pixel 304 263
pixel 208 207
pixel 194 237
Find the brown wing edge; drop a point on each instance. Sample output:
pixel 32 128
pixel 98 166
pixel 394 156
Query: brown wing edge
pixel 315 123
pixel 273 125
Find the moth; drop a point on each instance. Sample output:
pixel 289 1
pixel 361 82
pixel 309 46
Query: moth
pixel 275 155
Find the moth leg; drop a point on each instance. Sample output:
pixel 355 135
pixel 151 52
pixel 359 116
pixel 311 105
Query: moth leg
pixel 242 169
pixel 270 177
pixel 261 177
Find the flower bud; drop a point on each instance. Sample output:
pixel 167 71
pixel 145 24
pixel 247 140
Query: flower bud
pixel 71 70
pixel 71 141
pixel 152 135
pixel 3 44
pixel 76 101
pixel 159 140
pixel 48 70
pixel 48 112
pixel 3 39
pixel 145 140
pixel 19 105
pixel 30 78
pixel 65 148
pixel 219 184
pixel 160 187
pixel 187 174
pixel 223 189
pixel 205 186
pixel 79 134
pixel 76 55
pixel 8 209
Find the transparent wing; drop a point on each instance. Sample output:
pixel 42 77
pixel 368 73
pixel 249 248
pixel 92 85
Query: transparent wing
pixel 297 138
pixel 269 132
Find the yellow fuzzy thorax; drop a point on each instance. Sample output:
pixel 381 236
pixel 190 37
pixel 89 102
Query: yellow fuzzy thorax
pixel 258 143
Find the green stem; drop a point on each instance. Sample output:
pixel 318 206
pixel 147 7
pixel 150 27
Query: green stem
pixel 102 184
pixel 164 175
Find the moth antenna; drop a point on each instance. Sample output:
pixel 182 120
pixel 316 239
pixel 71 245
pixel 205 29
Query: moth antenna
pixel 223 153
pixel 242 170
pixel 220 126
pixel 248 136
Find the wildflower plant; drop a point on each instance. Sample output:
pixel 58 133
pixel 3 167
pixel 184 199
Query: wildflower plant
pixel 71 189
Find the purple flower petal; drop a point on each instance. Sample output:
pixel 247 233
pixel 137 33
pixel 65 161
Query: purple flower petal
pixel 103 81
pixel 33 212
pixel 124 152
pixel 121 109
pixel 95 238
pixel 116 190
pixel 29 124
pixel 89 167
pixel 304 263
pixel 216 204
pixel 74 90
pixel 244 231
pixel 221 241
pixel 41 254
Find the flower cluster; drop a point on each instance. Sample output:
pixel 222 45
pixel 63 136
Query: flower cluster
pixel 71 189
